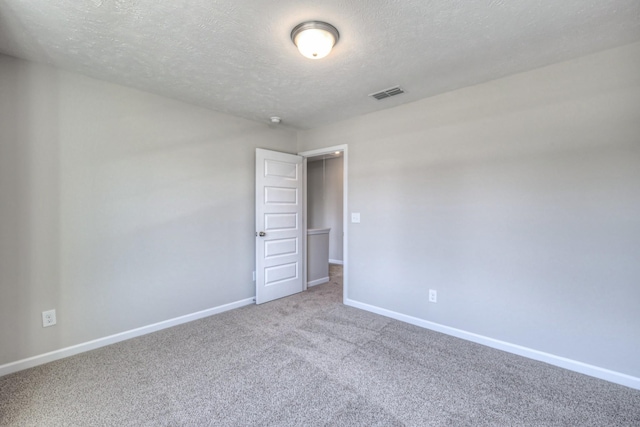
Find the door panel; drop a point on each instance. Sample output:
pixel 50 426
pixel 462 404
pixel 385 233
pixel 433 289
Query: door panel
pixel 280 196
pixel 279 258
pixel 280 247
pixel 280 273
pixel 275 222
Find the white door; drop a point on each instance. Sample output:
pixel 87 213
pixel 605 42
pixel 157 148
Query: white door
pixel 279 225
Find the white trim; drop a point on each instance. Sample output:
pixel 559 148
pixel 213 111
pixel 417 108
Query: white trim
pixel 345 223
pixel 325 150
pixel 336 261
pixel 345 206
pixel 315 231
pixel 319 281
pixel 305 264
pixel 562 362
pixel 41 359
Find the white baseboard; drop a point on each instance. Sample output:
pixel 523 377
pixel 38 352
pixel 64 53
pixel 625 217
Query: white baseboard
pixel 336 261
pixel 562 362
pixel 318 281
pixel 112 339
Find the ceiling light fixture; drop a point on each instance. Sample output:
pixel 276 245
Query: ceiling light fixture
pixel 315 39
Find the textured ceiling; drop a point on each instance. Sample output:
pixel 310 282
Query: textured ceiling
pixel 235 56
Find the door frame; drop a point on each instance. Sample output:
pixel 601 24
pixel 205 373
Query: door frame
pixel 345 210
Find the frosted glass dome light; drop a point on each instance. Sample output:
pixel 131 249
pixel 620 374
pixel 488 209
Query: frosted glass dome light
pixel 315 39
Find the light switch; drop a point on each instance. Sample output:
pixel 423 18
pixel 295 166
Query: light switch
pixel 355 216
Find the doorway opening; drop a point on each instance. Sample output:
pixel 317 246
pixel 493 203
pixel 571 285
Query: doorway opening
pixel 325 210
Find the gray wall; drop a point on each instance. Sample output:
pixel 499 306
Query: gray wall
pixel 325 199
pixel 518 200
pixel 118 208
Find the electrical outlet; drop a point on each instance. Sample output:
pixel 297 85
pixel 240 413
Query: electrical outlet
pixel 48 318
pixel 433 295
pixel 355 217
pixel 254 276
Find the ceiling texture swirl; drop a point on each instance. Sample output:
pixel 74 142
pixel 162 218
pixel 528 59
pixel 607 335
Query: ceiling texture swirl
pixel 237 57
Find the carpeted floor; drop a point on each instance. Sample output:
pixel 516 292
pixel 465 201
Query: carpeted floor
pixel 307 360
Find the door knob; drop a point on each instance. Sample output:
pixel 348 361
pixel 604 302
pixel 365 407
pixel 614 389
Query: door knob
pixel 262 234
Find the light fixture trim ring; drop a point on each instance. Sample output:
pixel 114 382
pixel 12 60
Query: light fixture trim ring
pixel 315 25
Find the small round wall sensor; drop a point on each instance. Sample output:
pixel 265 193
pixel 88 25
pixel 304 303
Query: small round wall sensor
pixel 275 120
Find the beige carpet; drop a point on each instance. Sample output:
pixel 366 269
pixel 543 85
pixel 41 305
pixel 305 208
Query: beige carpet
pixel 307 360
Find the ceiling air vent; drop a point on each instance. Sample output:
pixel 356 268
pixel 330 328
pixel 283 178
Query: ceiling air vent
pixel 387 93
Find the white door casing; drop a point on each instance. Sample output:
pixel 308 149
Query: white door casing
pixel 279 225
